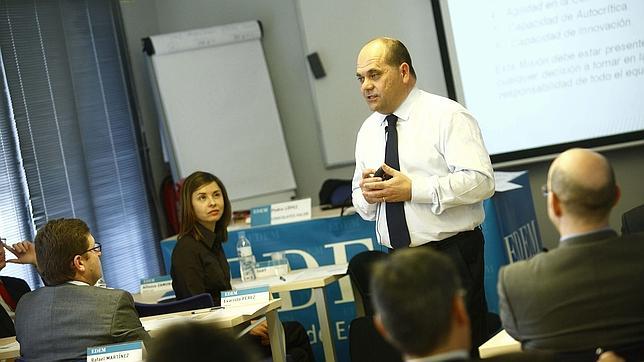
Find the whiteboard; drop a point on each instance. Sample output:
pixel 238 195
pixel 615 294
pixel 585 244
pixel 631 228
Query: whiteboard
pixel 336 30
pixel 218 110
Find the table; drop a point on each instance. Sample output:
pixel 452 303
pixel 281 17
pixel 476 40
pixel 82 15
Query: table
pixel 9 349
pixel 315 279
pixel 308 244
pixel 228 317
pixel 499 344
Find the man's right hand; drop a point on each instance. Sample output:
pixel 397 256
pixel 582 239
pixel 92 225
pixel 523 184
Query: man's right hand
pixel 367 177
pixel 24 251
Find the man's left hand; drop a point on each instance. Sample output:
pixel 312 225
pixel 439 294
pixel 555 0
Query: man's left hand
pixel 24 251
pixel 396 189
pixel 261 331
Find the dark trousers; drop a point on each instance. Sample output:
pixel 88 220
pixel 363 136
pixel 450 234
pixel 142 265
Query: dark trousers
pixel 298 346
pixel 466 251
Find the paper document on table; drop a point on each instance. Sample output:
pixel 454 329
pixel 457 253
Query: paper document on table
pixel 295 275
pixel 199 314
pixel 236 283
pixel 231 312
pixel 314 273
pixel 335 268
pixel 158 323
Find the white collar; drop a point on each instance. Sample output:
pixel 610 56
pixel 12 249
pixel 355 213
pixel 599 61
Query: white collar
pixel 576 235
pixel 404 110
pixel 77 282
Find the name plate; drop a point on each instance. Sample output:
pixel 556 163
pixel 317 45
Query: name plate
pixel 238 297
pixel 281 213
pixel 157 284
pixel 125 352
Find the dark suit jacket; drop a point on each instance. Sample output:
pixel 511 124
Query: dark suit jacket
pixel 633 220
pixel 60 322
pixel 17 288
pixel 587 293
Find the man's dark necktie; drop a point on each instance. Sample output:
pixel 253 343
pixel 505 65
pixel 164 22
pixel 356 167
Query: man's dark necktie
pixel 396 223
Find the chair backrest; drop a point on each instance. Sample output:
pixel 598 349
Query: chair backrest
pixel 366 344
pixel 359 271
pixel 335 192
pixel 203 300
pixel 493 323
pixel 633 220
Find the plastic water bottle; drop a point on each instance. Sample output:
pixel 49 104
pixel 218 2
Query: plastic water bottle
pixel 246 258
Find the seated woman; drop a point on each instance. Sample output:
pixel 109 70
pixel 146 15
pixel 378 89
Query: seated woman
pixel 199 264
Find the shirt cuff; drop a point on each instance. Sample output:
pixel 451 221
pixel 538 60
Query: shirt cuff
pixel 423 189
pixel 366 210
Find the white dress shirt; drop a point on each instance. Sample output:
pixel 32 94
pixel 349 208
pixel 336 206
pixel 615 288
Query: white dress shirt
pixel 441 150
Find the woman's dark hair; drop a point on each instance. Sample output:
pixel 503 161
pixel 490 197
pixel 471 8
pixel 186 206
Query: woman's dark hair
pixel 188 219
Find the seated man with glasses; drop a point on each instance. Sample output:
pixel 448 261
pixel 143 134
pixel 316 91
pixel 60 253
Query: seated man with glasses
pixel 59 321
pixel 585 295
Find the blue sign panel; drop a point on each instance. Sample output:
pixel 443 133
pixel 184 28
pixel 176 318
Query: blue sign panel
pixel 511 233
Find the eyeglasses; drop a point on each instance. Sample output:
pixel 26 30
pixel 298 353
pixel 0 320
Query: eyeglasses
pixel 97 247
pixel 544 190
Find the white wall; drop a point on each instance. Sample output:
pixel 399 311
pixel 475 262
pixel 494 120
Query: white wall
pixel 286 62
pixel 288 68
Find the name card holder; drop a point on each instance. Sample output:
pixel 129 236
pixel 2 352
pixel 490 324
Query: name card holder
pixel 122 352
pixel 281 213
pixel 158 284
pixel 240 297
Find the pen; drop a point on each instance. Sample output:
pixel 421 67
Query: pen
pixel 207 310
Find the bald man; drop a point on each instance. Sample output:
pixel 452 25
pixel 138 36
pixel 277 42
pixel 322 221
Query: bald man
pixel 437 171
pixel 589 292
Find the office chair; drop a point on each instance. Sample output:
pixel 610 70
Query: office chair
pixel 203 300
pixel 493 323
pixel 367 345
pixel 359 271
pixel 335 193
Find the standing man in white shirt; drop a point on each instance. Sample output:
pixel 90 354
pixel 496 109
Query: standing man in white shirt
pixel 437 171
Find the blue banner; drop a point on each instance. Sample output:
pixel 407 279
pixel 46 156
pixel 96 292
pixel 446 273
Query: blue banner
pixel 511 233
